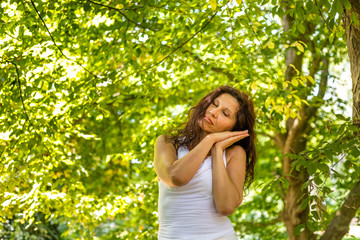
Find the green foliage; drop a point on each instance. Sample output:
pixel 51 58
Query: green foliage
pixel 87 86
pixel 332 164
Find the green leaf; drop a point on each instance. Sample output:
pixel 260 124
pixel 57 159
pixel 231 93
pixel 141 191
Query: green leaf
pixel 355 151
pixel 327 190
pixel 354 19
pixel 311 169
pixel 305 185
pixel 310 79
pixel 310 6
pixel 318 180
pixel 335 8
pixel 213 4
pixel 311 225
pixel 304 203
pixel 339 34
pixel 353 128
pixel 301 29
pixel 299 46
pixel 331 37
pixel 299 228
pixel 87 6
pixel 347 4
pixel 297 71
pixel 271 44
pixel 268 102
pixel 340 117
pixel 324 168
pixel 347 164
pixel 294 82
pixel 341 129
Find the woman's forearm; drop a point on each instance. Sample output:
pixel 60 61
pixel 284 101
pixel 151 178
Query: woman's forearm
pixel 184 169
pixel 226 196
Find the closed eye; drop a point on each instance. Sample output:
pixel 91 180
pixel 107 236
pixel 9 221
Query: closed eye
pixel 224 112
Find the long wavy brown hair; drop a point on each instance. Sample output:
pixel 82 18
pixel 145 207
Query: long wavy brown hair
pixel 190 134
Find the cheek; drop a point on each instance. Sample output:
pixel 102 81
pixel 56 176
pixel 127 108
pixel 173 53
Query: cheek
pixel 228 124
pixel 232 124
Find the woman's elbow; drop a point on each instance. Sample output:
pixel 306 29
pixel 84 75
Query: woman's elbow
pixel 177 180
pixel 228 210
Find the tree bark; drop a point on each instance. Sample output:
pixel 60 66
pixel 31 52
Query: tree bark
pixel 293 142
pixel 339 225
pixel 353 45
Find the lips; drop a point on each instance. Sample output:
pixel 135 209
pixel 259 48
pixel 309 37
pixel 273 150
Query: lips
pixel 208 120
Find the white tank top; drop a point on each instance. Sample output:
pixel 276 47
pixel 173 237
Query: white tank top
pixel 188 212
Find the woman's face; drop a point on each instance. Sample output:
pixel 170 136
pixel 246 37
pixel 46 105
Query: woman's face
pixel 220 115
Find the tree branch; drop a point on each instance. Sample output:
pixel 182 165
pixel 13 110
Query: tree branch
pixel 339 225
pixel 299 125
pixel 20 92
pixel 23 104
pixel 324 78
pixel 172 52
pixel 215 69
pixel 181 45
pixel 123 14
pixel 280 140
pixel 252 25
pixel 52 38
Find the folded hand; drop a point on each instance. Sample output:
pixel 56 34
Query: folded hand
pixel 226 139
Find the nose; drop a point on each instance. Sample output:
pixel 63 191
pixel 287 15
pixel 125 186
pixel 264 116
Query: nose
pixel 213 112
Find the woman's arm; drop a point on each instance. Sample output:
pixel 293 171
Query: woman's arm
pixel 228 182
pixel 177 172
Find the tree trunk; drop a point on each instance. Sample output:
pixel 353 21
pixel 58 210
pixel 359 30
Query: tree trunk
pixel 293 142
pixel 339 225
pixel 353 45
pixel 293 215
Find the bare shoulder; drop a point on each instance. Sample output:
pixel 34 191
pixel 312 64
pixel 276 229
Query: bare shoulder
pixel 236 153
pixel 162 142
pixel 160 139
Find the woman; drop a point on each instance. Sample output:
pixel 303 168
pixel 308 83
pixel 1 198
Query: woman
pixel 202 169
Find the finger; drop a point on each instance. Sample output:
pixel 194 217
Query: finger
pixel 228 134
pixel 239 137
pixel 230 141
pixel 242 133
pixel 234 139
